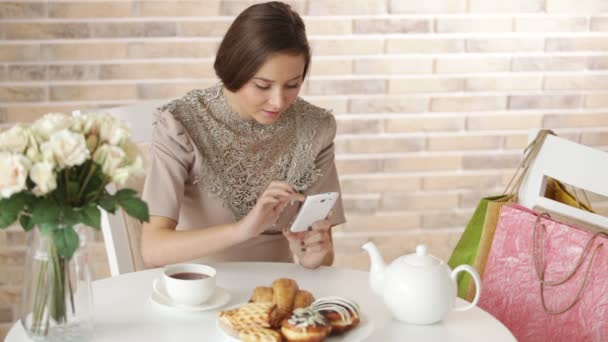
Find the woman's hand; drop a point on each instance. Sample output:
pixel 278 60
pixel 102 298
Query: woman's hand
pixel 268 208
pixel 312 247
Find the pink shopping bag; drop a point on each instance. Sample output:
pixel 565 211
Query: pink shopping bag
pixel 545 280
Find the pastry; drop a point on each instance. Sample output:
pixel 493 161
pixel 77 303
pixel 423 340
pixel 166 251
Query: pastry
pixel 305 325
pixel 284 293
pixel 262 294
pixel 342 314
pixel 303 299
pixel 248 316
pixel 257 334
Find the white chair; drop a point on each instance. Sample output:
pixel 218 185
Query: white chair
pixel 580 166
pixel 121 233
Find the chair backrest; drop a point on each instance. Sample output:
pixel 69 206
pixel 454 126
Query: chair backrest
pixel 580 166
pixel 121 233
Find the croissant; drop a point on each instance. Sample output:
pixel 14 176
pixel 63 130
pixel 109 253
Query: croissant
pixel 284 295
pixel 303 299
pixel 262 294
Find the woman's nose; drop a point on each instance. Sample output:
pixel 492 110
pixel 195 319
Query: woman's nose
pixel 276 99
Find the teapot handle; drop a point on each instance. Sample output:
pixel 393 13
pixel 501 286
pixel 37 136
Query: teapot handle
pixel 475 275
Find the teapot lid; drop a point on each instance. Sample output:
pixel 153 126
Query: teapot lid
pixel 421 258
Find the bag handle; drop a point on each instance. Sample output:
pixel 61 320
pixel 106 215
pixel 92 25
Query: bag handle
pixel 530 153
pixel 540 273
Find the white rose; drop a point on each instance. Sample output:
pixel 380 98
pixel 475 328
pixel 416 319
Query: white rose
pixel 13 173
pixel 110 158
pixel 43 175
pixel 84 123
pixel 50 124
pixel 136 168
pixel 68 148
pixel 14 139
pixel 112 130
pixel 133 166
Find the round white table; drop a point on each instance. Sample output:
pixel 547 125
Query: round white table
pixel 124 311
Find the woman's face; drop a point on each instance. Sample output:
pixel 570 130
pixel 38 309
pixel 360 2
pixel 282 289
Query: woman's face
pixel 271 90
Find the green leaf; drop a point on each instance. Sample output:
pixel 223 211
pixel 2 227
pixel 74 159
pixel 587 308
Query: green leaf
pixel 47 228
pixel 26 222
pixel 66 241
pixel 91 216
pixel 10 209
pixel 125 194
pixel 108 203
pixel 136 208
pixel 71 216
pixel 45 211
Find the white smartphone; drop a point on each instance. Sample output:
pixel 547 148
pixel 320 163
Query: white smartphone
pixel 314 208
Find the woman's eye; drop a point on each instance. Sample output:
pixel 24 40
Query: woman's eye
pixel 293 86
pixel 262 87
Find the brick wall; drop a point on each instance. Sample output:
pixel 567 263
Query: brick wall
pixel 433 98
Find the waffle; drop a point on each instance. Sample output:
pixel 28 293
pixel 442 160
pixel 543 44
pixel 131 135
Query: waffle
pixel 250 315
pixel 257 334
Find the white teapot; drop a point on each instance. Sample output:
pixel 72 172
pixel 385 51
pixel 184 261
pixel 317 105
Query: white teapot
pixel 417 288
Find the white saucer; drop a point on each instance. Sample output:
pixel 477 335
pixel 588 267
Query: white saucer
pixel 160 297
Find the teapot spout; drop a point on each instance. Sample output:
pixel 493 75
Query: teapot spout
pixel 378 267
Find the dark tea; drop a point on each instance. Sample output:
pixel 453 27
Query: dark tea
pixel 189 275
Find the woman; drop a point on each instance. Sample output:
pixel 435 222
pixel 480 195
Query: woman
pixel 229 161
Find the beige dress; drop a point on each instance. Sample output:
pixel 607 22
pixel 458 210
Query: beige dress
pixel 184 185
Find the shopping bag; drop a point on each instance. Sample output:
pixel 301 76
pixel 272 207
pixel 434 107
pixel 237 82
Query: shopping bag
pixel 474 244
pixel 546 280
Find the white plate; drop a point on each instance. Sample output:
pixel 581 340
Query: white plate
pixel 160 297
pixel 358 334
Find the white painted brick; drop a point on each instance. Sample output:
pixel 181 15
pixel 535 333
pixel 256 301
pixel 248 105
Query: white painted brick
pixel 549 63
pixel 505 44
pixel 513 6
pixel 544 24
pixel 599 100
pixel 424 45
pixel 472 64
pixel 339 7
pixel 322 26
pixel 595 44
pixel 544 101
pixel 581 6
pixel 392 26
pixel 489 83
pixel 474 24
pixel 504 121
pixel 428 6
pixel 599 24
pixel 328 47
pixel 391 66
pixel 388 105
pixel 468 103
pixel 333 87
pixel 424 84
pixel 426 123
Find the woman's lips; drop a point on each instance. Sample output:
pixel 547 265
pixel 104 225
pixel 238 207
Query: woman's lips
pixel 270 113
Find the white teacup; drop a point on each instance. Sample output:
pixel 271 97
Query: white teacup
pixel 189 284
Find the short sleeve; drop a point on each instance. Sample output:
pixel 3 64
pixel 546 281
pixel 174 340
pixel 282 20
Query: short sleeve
pixel 171 160
pixel 325 161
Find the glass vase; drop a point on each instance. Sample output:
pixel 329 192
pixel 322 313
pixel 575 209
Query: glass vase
pixel 57 300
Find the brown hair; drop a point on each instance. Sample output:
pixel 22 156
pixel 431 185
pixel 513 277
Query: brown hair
pixel 258 32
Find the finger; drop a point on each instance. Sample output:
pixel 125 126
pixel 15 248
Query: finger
pixel 278 193
pixel 316 248
pixel 315 237
pixel 331 213
pixel 322 225
pixel 296 196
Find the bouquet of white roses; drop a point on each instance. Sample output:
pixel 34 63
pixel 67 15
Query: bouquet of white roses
pixel 53 176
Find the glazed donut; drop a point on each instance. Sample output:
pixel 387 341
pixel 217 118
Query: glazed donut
pixel 342 314
pixel 305 325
